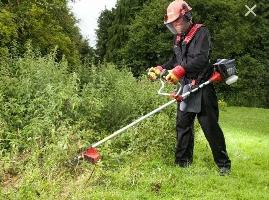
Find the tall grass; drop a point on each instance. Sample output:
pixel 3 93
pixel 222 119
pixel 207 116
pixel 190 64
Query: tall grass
pixel 48 115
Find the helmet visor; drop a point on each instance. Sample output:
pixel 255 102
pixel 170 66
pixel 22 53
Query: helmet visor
pixel 170 25
pixel 171 28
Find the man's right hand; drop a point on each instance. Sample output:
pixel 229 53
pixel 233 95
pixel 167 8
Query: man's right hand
pixel 154 72
pixel 175 74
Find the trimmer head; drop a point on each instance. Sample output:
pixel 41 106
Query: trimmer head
pixel 92 155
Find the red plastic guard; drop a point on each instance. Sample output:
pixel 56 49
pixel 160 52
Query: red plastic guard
pixel 91 154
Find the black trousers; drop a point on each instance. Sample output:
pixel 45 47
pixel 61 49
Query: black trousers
pixel 208 119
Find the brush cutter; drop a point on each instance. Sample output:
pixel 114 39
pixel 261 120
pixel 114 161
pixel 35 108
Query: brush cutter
pixel 224 71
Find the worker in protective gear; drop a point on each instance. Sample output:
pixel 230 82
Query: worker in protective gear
pixel 190 65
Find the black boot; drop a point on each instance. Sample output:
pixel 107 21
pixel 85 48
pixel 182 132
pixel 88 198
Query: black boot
pixel 224 171
pixel 183 164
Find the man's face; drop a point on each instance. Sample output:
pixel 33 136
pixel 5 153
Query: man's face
pixel 180 25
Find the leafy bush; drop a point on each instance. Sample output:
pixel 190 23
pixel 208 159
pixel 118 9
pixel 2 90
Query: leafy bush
pixel 37 95
pixel 222 105
pixel 49 115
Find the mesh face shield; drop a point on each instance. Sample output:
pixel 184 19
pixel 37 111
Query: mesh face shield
pixel 171 28
pixel 169 24
pixel 179 20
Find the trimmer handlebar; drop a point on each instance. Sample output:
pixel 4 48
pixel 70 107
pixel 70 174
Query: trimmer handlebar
pixel 161 90
pixel 176 95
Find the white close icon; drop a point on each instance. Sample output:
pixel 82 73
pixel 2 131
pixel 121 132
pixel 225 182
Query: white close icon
pixel 250 10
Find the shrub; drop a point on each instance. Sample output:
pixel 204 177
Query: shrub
pixel 37 95
pixel 48 116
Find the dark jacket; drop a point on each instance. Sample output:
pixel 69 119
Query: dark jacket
pixel 194 58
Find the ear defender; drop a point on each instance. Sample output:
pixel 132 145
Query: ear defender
pixel 187 17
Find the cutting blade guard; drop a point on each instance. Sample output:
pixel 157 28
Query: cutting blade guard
pixel 91 155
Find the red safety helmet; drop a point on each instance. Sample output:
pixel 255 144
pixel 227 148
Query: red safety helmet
pixel 177 9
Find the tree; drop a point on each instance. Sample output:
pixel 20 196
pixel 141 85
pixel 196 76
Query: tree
pixel 149 43
pixel 113 28
pixel 105 20
pixel 46 23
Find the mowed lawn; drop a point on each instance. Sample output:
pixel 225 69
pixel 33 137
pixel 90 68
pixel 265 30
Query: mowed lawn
pixel 247 137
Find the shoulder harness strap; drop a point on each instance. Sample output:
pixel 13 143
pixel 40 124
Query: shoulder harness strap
pixel 192 33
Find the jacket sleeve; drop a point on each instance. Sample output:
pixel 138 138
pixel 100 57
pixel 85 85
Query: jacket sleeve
pixel 170 63
pixel 198 57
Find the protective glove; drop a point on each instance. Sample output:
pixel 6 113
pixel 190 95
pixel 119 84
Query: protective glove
pixel 155 72
pixel 175 74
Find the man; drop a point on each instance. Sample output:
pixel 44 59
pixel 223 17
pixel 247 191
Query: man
pixel 190 65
